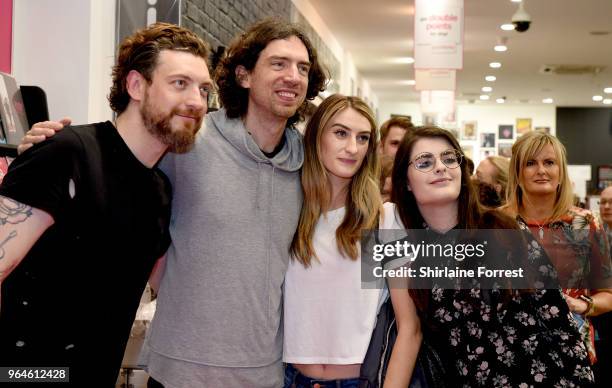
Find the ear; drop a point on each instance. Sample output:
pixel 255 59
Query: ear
pixel 498 187
pixel 135 84
pixel 243 77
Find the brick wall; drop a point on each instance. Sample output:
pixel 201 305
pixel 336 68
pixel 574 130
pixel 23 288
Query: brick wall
pixel 218 21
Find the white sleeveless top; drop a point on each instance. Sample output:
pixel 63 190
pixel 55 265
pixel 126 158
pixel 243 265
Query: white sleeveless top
pixel 328 318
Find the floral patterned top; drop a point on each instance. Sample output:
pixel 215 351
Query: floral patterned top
pixel 578 248
pixel 527 340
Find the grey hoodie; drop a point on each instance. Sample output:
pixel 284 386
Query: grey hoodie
pixel 234 213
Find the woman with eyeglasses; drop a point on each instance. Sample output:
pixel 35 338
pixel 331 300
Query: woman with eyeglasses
pixel 328 316
pixel 540 196
pixel 489 337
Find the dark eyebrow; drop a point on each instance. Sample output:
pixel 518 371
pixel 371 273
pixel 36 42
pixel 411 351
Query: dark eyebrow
pixel 349 129
pixel 277 57
pixel 188 78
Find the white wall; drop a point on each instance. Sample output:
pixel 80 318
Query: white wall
pixel 348 68
pixel 488 117
pixel 64 47
pixel 101 58
pixel 412 109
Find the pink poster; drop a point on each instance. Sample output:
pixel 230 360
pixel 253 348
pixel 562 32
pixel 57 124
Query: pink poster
pixel 6 34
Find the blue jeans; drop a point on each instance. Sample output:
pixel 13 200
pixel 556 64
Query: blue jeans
pixel 294 379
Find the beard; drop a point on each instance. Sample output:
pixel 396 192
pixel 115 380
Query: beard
pixel 179 139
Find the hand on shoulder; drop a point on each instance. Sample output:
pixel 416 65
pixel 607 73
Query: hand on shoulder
pixel 40 132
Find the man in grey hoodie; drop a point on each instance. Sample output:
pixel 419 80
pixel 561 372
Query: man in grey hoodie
pixel 237 199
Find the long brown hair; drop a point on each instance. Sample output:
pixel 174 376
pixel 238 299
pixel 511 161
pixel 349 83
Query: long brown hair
pixel 363 202
pixel 469 208
pixel 471 214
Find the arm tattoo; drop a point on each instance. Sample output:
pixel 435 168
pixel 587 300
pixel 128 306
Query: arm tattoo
pixel 11 235
pixel 13 212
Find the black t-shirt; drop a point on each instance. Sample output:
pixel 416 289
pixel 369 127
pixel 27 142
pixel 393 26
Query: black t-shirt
pixel 73 298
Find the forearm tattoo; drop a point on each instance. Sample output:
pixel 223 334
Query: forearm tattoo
pixel 13 212
pixel 11 235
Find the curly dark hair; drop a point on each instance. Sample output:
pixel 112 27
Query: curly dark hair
pixel 245 50
pixel 140 51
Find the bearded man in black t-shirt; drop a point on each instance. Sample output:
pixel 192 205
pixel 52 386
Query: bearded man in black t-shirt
pixel 84 215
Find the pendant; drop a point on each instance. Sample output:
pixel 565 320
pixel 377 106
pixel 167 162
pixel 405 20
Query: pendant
pixel 541 233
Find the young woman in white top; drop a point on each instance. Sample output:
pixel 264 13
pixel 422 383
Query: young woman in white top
pixel 328 317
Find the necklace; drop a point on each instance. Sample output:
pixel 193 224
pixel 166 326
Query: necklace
pixel 540 229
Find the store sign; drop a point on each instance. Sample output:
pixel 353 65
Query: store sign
pixel 6 34
pixel 434 79
pixel 438 34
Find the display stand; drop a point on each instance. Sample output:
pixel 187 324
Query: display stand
pixel 9 150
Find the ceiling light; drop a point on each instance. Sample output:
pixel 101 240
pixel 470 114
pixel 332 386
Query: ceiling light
pixel 500 100
pixel 501 44
pixel 490 78
pixel 516 1
pixel 507 27
pixel 487 89
pixel 484 97
pixel 547 100
pixel 608 90
pixel 597 98
pixel 495 65
pixel 607 101
pixel 409 82
pixel 402 60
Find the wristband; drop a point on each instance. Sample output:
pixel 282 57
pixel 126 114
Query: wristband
pixel 590 305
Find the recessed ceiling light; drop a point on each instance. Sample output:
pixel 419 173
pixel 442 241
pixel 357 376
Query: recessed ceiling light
pixel 608 90
pixel 547 100
pixel 500 100
pixel 487 89
pixel 402 60
pixel 516 1
pixel 607 101
pixel 490 78
pixel 495 65
pixel 500 46
pixel 507 27
pixel 484 97
pixel 597 98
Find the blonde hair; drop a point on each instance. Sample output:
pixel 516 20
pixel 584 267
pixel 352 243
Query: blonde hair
pixel 502 165
pixel 363 201
pixel 525 148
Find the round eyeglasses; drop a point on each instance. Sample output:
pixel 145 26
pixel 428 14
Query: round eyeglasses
pixel 426 161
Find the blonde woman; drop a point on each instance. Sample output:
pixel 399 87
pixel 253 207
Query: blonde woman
pixel 540 196
pixel 328 317
pixel 493 171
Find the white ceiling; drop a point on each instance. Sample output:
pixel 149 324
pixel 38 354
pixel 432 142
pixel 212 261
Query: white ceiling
pixel 377 31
